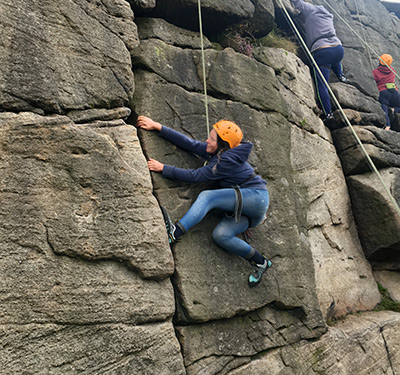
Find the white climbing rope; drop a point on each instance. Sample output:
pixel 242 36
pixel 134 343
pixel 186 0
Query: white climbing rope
pixel 358 35
pixel 364 32
pixel 370 162
pixel 204 69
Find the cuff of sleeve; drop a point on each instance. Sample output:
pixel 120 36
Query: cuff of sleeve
pixel 168 171
pixel 162 131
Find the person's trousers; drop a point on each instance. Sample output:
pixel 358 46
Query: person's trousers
pixel 326 59
pixel 254 206
pixel 389 99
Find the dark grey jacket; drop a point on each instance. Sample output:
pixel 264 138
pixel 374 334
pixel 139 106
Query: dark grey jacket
pixel 318 23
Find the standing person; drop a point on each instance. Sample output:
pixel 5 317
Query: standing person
pixel 384 76
pixel 242 191
pixel 325 47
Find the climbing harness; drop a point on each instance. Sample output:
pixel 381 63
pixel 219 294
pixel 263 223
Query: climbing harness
pixel 370 162
pixel 204 69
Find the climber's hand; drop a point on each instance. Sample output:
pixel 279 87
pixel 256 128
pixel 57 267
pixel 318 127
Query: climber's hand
pixel 147 123
pixel 155 165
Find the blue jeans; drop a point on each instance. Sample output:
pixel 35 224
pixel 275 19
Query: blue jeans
pixel 389 98
pixel 326 59
pixel 255 205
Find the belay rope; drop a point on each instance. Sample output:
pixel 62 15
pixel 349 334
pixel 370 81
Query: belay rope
pixel 368 158
pixel 370 162
pixel 204 69
pixel 359 36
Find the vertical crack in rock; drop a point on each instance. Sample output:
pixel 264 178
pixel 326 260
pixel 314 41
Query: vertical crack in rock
pixel 387 349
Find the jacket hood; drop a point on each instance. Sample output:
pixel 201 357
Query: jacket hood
pixel 240 153
pixel 384 69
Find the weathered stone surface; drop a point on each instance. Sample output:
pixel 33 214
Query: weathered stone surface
pixel 84 251
pixel 92 349
pixel 174 64
pixel 183 67
pixel 382 146
pixel 370 110
pixel 185 13
pixel 263 18
pixel 210 348
pixel 217 16
pixel 391 281
pixel 349 97
pixel 158 28
pixel 45 64
pixel 216 346
pixel 331 231
pixel 295 87
pixel 93 195
pixel 358 118
pixel 208 278
pixel 142 5
pixel 77 251
pixel 378 221
pixel 91 115
pixel 367 344
pixel 67 190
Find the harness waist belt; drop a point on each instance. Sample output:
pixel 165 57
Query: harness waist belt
pixel 390 85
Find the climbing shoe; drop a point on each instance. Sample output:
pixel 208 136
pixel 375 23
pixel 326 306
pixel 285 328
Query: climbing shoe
pixel 169 225
pixel 343 79
pixel 256 275
pixel 328 117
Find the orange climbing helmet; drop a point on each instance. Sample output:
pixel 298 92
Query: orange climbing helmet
pixel 229 132
pixel 386 59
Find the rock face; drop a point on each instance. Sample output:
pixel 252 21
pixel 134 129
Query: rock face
pixel 72 267
pixel 54 47
pixel 377 219
pixel 258 14
pixel 366 344
pixel 89 282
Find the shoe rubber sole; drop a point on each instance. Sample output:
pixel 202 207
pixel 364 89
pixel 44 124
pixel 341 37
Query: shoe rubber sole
pixel 256 276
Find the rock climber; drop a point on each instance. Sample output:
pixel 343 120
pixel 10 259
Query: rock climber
pixel 242 192
pixel 389 96
pixel 326 48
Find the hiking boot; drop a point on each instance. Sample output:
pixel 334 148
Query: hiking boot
pixel 169 225
pixel 256 275
pixel 343 79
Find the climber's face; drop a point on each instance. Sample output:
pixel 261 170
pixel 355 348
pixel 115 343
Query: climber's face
pixel 212 144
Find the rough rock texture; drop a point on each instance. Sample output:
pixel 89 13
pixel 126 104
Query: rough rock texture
pixel 91 349
pixel 69 55
pixel 217 16
pixel 359 345
pixel 382 146
pixel 328 225
pixel 71 196
pixel 89 283
pixel 157 28
pixel 331 232
pixel 367 108
pixel 141 6
pixel 378 221
pixel 391 281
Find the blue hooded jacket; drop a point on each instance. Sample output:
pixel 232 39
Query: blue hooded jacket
pixel 232 167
